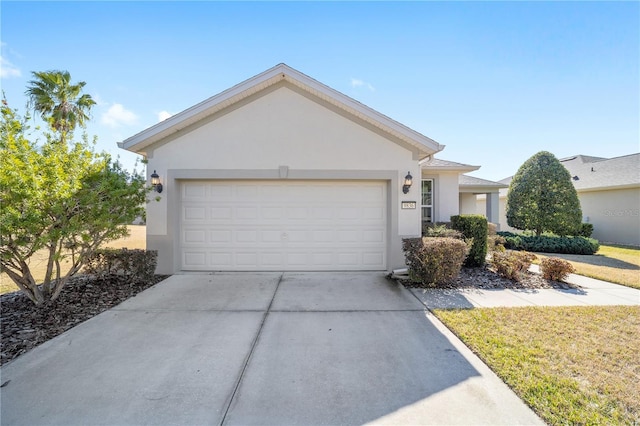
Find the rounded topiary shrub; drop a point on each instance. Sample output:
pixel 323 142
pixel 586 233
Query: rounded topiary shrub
pixel 473 226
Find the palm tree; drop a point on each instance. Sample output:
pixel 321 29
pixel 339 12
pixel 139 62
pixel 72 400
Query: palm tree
pixel 59 102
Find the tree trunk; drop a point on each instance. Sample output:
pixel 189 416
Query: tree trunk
pixel 27 284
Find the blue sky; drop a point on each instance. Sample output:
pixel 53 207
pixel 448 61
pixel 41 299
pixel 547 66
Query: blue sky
pixel 495 82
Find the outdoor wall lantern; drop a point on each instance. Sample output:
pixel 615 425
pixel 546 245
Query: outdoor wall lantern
pixel 155 182
pixel 408 181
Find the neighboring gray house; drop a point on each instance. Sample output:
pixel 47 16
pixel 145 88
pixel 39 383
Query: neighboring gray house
pixel 609 193
pixel 282 172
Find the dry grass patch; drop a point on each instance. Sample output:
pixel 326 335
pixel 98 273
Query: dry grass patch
pixel 616 264
pixel 572 365
pixel 137 239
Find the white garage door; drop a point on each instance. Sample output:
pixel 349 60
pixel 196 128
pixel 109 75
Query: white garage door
pixel 275 225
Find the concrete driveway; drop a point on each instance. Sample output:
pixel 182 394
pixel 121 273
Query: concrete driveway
pixel 259 348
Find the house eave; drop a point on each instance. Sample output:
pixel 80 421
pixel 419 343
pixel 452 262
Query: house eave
pixel 480 189
pixel 450 169
pixel 609 187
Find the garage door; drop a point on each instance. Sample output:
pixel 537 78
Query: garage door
pixel 289 226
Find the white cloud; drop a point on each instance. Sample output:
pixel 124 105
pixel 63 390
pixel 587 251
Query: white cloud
pixel 8 70
pixel 163 115
pixel 117 115
pixel 356 83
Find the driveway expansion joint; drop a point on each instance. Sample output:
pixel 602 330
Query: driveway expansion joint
pixel 253 347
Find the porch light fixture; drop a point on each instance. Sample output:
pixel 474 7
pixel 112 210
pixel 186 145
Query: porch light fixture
pixel 408 181
pixel 155 182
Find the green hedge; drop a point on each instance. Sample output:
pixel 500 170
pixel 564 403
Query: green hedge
pixel 135 265
pixel 473 226
pixel 550 244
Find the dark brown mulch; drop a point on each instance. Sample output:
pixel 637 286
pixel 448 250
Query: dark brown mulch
pixel 486 278
pixel 24 326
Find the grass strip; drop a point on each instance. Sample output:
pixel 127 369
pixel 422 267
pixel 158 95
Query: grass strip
pixel 612 263
pixel 572 365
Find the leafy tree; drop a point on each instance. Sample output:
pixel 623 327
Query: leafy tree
pixel 61 197
pixel 542 198
pixel 61 104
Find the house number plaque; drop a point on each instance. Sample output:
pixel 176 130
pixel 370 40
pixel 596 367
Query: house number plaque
pixel 408 205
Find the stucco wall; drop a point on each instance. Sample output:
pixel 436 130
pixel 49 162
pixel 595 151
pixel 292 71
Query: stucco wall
pixel 282 128
pixel 470 205
pixel 615 214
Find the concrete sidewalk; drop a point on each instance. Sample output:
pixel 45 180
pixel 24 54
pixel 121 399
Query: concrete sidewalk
pixel 247 348
pixel 591 292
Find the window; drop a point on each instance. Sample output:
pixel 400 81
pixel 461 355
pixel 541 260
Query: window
pixel 426 204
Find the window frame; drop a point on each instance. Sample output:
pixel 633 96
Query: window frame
pixel 430 206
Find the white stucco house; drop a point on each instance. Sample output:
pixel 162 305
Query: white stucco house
pixel 609 193
pixel 281 172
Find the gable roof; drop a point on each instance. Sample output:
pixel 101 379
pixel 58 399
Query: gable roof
pixel 422 145
pixel 445 165
pixel 597 173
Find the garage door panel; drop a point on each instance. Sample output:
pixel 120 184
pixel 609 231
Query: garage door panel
pixel 322 259
pixel 322 213
pixel 272 213
pixel 194 236
pixel 195 191
pixel 220 236
pixel 295 225
pixel 323 235
pixel 273 259
pixel 195 213
pixel 372 213
pixel 372 259
pixel 220 192
pixel 220 260
pixel 372 236
pixel 195 259
pixel 348 259
pixel 297 260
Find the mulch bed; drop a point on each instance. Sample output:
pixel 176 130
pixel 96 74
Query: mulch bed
pixel 485 278
pixel 25 326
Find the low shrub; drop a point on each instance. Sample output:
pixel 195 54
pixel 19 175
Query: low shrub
pixel 550 243
pixel 434 261
pixel 586 230
pixel 473 226
pixel 555 269
pixel 495 243
pixel 135 265
pixel 512 264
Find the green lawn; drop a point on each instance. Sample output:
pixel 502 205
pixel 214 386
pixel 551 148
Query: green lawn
pixel 616 264
pixel 572 365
